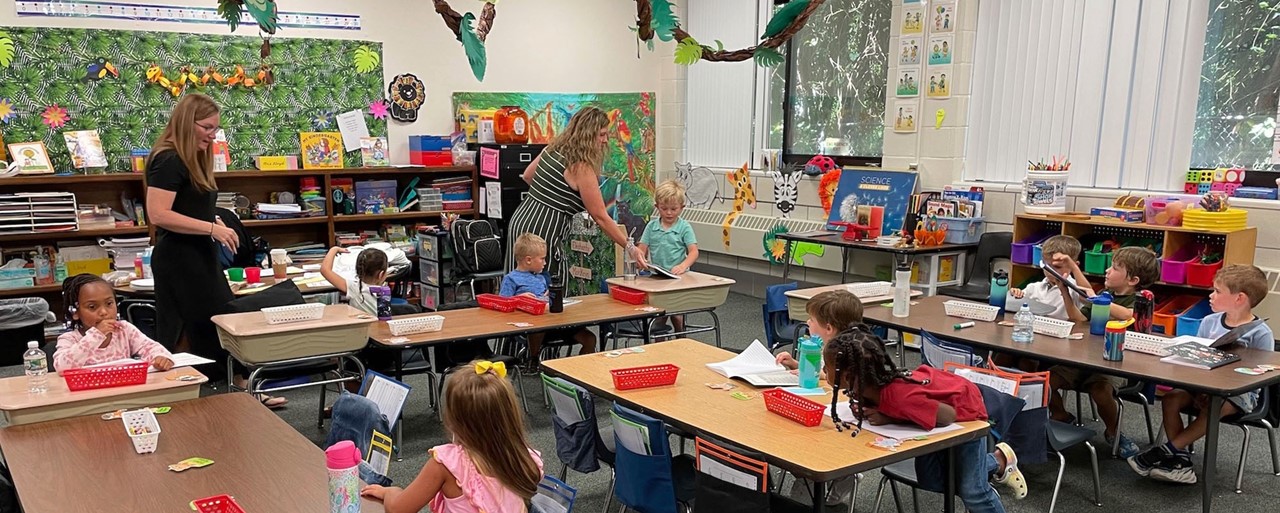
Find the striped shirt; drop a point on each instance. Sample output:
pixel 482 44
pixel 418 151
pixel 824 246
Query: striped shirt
pixel 551 188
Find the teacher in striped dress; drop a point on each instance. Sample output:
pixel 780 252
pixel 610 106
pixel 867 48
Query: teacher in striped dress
pixel 564 181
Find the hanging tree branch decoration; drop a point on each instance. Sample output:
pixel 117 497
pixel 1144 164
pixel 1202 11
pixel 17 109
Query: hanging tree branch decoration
pixel 656 18
pixel 472 38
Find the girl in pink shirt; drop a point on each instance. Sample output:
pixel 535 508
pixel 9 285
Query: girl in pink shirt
pixel 489 467
pixel 96 336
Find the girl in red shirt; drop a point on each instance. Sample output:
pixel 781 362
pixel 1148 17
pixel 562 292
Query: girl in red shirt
pixel 881 393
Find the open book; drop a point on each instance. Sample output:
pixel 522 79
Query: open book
pixel 659 272
pixel 756 365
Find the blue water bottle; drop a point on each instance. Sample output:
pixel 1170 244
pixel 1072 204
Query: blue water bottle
pixel 383 294
pixel 999 288
pixel 1100 314
pixel 810 354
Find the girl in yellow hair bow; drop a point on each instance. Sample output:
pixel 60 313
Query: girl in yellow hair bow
pixel 499 368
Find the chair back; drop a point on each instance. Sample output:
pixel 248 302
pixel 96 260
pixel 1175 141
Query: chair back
pixel 936 353
pixel 554 496
pixel 573 424
pixel 644 478
pixel 991 245
pixel 730 479
pixel 777 322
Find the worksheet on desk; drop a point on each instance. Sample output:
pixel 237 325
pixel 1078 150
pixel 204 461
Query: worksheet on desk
pixel 898 431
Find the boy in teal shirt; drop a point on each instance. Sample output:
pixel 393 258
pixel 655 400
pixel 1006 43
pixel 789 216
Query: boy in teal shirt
pixel 668 240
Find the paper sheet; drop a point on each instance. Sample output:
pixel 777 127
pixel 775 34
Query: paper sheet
pixel 188 360
pixel 493 196
pixel 899 431
pixel 635 437
pixel 387 393
pixel 352 126
pixel 567 407
pixel 728 474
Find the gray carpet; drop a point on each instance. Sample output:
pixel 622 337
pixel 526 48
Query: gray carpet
pixel 1121 489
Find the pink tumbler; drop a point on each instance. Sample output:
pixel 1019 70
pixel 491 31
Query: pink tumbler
pixel 343 460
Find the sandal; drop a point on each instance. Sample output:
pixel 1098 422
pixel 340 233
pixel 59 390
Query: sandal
pixel 1011 477
pixel 272 403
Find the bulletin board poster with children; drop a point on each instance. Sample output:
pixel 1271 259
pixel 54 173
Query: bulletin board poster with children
pixel 63 81
pixel 866 188
pixel 627 181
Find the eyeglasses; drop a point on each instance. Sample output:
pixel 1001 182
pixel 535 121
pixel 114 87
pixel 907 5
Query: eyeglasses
pixel 209 129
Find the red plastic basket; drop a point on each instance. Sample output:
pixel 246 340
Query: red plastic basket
pixel 794 407
pixel 1201 275
pixel 496 302
pixel 645 377
pixel 106 377
pixel 627 295
pixel 530 305
pixel 217 504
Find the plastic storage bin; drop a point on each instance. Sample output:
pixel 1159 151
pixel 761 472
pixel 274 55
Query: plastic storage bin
pixel 1165 320
pixel 1021 252
pixel 1174 268
pixel 1201 275
pixel 627 295
pixel 106 377
pixel 962 230
pixel 645 377
pixel 143 429
pixel 1097 260
pixel 418 324
pixel 1189 322
pixel 217 504
pixel 1167 210
pixel 496 302
pixel 804 411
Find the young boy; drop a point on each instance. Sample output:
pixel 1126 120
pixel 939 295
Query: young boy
pixel 830 313
pixel 1237 289
pixel 1132 268
pixel 527 280
pixel 668 240
pixel 1045 293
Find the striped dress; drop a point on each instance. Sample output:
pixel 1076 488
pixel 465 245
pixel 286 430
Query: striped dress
pixel 548 213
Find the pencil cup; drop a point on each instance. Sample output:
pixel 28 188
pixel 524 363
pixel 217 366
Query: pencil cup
pixel 253 274
pixel 143 429
pixel 236 273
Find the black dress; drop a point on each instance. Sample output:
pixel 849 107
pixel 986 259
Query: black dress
pixel 190 286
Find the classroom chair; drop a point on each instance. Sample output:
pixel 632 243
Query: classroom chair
pixel 625 330
pixel 649 478
pixel 977 279
pixel 579 443
pixel 1138 392
pixel 553 497
pixel 936 353
pixel 1264 416
pixel 457 356
pixel 716 461
pixel 142 314
pixel 779 329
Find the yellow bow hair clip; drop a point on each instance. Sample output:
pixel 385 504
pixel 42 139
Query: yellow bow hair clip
pixel 498 368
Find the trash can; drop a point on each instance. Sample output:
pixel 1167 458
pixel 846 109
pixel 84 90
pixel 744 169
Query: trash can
pixel 21 320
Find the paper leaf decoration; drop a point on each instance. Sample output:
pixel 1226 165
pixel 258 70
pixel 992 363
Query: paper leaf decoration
pixel 767 57
pixel 378 108
pixel 55 116
pixel 6 111
pixel 230 10
pixel 688 52
pixel 406 94
pixel 664 21
pixel 473 46
pixel 784 17
pixel 322 121
pixel 366 60
pixel 7 50
pixel 264 12
pixel 774 248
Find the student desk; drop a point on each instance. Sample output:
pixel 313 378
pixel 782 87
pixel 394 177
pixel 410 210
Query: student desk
pixel 693 293
pixel 21 407
pixel 306 289
pixel 818 453
pixel 340 333
pixel 934 253
pixel 258 459
pixel 929 315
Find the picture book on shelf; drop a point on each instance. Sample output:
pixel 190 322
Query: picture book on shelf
pixel 32 157
pixel 321 150
pixel 1197 355
pixel 373 152
pixel 85 148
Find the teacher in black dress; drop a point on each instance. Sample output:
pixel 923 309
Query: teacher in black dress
pixel 181 194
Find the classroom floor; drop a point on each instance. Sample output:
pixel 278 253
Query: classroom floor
pixel 1121 488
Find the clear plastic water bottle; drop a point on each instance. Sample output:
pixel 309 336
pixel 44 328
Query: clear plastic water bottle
pixel 902 291
pixel 628 262
pixel 1024 325
pixel 35 363
pixel 60 270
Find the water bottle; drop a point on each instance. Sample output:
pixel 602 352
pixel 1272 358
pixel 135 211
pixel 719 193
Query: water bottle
pixel 902 291
pixel 146 264
pixel 1024 325
pixel 343 461
pixel 999 288
pixel 383 294
pixel 34 362
pixel 556 292
pixel 1100 314
pixel 628 262
pixel 44 271
pixel 1144 306
pixel 810 354
pixel 60 270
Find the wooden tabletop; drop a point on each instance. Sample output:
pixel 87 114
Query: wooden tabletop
pixel 688 281
pixel 929 315
pixel 807 294
pixel 480 323
pixel 14 395
pixel 258 459
pixel 255 323
pixel 267 279
pixel 820 453
pixel 835 239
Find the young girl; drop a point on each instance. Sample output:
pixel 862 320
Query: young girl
pixel 96 336
pixel 489 467
pixel 880 393
pixel 371 271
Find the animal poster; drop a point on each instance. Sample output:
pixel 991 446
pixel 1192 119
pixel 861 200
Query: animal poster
pixel 627 180
pixel 786 186
pixel 910 54
pixel 908 82
pixel 873 187
pixel 912 20
pixel 944 18
pixel 905 116
pixel 701 188
pixel 939 86
pixel 940 49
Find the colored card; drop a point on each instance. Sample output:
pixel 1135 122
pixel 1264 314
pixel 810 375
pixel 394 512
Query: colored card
pixel 905 116
pixel 941 49
pixel 909 51
pixel 908 82
pixel 943 16
pixel 912 20
pixel 938 83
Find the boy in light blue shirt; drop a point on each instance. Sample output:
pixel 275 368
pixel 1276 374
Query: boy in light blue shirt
pixel 1237 289
pixel 527 280
pixel 668 240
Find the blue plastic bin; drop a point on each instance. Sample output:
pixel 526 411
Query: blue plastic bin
pixel 962 230
pixel 1189 321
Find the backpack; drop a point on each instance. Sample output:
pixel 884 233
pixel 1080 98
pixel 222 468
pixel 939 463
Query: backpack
pixel 476 248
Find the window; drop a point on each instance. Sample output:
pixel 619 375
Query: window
pixel 836 87
pixel 1239 83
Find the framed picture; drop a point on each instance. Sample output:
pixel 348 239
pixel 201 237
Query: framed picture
pixel 32 157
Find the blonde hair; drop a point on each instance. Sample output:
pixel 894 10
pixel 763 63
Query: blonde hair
pixel 529 245
pixel 669 192
pixel 482 414
pixel 180 136
pixel 578 143
pixel 1138 262
pixel 1248 279
pixel 838 308
pixel 1061 245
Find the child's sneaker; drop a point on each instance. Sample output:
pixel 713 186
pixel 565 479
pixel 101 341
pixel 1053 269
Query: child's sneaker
pixel 1010 475
pixel 1149 459
pixel 1176 469
pixel 1128 449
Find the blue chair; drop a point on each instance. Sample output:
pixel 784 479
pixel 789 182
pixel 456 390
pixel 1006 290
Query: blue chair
pixel 579 443
pixel 779 329
pixel 649 479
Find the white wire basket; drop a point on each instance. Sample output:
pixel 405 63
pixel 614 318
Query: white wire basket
pixel 1053 327
pixel 870 289
pixel 1149 344
pixel 143 429
pixel 971 310
pixel 412 325
pixel 293 313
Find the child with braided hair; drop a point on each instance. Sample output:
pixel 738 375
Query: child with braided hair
pixel 880 393
pixel 96 335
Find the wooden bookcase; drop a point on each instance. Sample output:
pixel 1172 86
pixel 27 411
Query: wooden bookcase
pixel 1238 246
pixel 256 185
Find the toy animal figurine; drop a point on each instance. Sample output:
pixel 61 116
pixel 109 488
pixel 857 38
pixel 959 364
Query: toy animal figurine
pixel 785 190
pixel 743 194
pixel 701 189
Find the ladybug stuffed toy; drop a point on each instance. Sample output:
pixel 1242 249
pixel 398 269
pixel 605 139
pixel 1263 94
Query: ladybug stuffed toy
pixel 819 164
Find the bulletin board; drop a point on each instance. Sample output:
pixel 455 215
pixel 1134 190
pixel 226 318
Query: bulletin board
pixel 314 79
